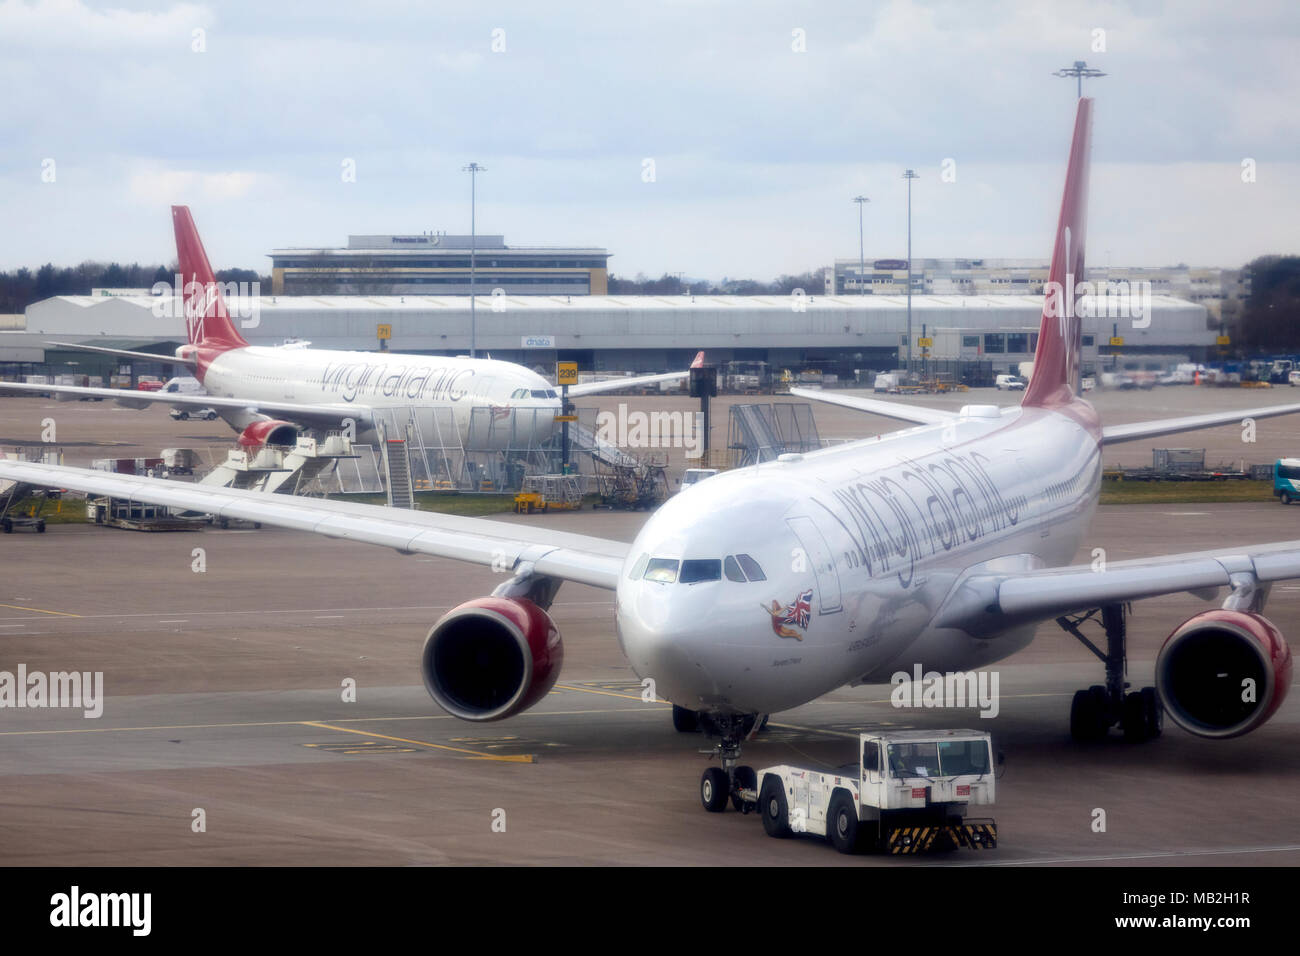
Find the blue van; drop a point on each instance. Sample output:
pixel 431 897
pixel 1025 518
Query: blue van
pixel 1286 480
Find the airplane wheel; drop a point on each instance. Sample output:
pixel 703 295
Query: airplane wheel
pixel 746 779
pixel 714 787
pixel 842 824
pixel 771 802
pixel 685 721
pixel 1153 712
pixel 1134 720
pixel 1088 715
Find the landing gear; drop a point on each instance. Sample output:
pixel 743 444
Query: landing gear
pixel 1096 710
pixel 714 788
pixel 739 784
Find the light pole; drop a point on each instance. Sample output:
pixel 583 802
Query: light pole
pixel 1079 71
pixel 473 169
pixel 909 175
pixel 862 261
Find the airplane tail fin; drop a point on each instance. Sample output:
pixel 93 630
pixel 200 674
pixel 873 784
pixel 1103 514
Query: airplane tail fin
pixel 699 360
pixel 206 319
pixel 1055 380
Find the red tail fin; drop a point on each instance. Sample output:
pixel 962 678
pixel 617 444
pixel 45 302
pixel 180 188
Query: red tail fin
pixel 206 319
pixel 1056 363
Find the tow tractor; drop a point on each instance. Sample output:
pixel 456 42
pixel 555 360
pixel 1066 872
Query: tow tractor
pixel 910 792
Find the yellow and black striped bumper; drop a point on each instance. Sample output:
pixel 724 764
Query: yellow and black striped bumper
pixel 975 836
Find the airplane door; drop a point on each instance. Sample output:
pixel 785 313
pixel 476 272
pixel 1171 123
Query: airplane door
pixel 821 559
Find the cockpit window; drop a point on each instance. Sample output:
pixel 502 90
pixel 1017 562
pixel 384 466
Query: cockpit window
pixel 638 569
pixel 519 393
pixel 752 570
pixel 544 393
pixel 701 569
pixel 663 570
pixel 731 568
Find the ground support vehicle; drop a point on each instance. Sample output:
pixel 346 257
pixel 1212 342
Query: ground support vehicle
pixel 910 792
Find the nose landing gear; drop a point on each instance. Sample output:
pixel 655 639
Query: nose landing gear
pixel 731 782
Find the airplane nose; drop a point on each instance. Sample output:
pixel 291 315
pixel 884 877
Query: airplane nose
pixel 661 641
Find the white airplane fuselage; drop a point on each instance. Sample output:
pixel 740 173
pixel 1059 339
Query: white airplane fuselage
pixel 390 380
pixel 871 536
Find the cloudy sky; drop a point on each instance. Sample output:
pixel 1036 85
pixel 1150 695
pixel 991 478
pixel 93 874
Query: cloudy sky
pixel 759 120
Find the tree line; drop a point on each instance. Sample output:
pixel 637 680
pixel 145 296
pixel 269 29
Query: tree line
pixel 1270 319
pixel 812 283
pixel 22 287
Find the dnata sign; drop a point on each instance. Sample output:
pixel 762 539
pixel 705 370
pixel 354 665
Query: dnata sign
pixel 889 265
pixel 538 341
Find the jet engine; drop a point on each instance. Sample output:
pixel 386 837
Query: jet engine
pixel 1223 673
pixel 269 432
pixel 491 658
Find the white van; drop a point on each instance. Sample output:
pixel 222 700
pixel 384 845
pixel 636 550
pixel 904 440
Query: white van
pixel 1009 383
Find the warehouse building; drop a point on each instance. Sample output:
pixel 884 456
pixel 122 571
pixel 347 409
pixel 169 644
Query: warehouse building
pixel 614 333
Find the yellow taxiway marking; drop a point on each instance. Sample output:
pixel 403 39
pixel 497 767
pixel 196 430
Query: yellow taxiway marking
pixel 39 610
pixel 610 693
pixel 476 754
pixel 290 723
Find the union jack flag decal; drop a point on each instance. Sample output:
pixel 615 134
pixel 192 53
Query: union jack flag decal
pixel 800 612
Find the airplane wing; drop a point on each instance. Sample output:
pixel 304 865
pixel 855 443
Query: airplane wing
pixel 126 353
pixel 614 384
pixel 1114 434
pixel 983 602
pixel 503 545
pixel 906 413
pixel 329 416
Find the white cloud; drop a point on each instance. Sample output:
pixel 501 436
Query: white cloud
pixel 160 187
pixel 72 24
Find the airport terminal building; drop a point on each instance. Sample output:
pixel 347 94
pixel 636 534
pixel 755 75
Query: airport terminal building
pixel 614 333
pixel 438 264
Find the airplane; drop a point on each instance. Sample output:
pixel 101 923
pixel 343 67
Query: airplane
pixel 942 545
pixel 270 394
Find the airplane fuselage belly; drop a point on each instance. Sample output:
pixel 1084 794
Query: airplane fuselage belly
pixel 860 548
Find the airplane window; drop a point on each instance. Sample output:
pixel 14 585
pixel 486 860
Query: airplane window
pixel 701 569
pixel 539 393
pixel 752 570
pixel 638 569
pixel 732 569
pixel 662 570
